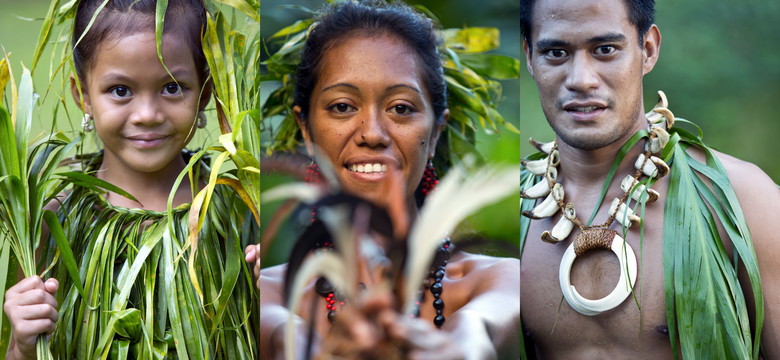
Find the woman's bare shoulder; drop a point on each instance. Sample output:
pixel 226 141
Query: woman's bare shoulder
pixel 484 266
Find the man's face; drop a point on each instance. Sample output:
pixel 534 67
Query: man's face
pixel 588 66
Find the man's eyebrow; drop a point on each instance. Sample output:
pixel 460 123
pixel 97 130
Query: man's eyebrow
pixel 610 37
pixel 556 43
pixel 550 43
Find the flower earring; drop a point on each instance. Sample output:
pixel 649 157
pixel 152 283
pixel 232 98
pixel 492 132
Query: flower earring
pixel 429 179
pixel 202 121
pixel 86 123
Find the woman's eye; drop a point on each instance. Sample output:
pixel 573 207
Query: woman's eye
pixel 120 91
pixel 401 110
pixel 172 89
pixel 342 108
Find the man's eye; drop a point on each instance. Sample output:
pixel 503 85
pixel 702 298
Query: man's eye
pixel 172 89
pixel 556 53
pixel 120 91
pixel 605 50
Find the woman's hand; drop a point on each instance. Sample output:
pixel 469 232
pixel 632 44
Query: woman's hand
pixel 376 330
pixel 31 308
pixel 252 255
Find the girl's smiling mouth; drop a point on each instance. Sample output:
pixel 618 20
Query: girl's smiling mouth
pixel 147 141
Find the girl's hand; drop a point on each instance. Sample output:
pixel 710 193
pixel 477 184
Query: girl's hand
pixel 252 255
pixel 31 308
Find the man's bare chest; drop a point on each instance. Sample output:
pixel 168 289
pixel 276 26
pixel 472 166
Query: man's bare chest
pixel 638 322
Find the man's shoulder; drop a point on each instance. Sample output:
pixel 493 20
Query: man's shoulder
pixel 748 180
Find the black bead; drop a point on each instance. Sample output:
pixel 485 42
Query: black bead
pixel 332 316
pixel 436 289
pixel 439 275
pixel 438 321
pixel 438 304
pixel 323 287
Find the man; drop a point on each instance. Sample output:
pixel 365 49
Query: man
pixel 588 58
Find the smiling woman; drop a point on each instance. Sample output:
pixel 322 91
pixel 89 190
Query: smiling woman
pixel 371 99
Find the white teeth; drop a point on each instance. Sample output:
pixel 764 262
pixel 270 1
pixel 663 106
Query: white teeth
pixel 585 109
pixel 368 168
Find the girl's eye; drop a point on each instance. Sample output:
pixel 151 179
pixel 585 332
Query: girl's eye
pixel 172 89
pixel 342 108
pixel 401 110
pixel 120 91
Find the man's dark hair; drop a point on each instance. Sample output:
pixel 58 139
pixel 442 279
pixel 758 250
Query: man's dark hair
pixel 641 14
pixel 186 18
pixel 344 20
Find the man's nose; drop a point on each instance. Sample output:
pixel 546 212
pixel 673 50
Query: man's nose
pixel 582 75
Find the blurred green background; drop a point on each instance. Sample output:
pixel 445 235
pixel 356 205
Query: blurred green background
pixel 719 67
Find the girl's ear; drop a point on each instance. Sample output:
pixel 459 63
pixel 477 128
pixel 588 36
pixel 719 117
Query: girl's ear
pixel 79 91
pixel 302 124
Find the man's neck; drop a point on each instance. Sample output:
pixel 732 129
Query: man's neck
pixel 587 169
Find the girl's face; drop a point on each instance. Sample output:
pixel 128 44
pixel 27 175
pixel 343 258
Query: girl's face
pixel 370 113
pixel 142 115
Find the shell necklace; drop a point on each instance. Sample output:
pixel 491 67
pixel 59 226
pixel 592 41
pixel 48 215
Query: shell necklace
pixel 660 119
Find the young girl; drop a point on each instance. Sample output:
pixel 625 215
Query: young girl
pixel 144 297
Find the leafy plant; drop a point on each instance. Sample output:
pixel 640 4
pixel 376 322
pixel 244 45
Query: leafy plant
pixel 27 184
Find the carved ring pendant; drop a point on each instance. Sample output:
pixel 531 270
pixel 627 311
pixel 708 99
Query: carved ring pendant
pixel 598 238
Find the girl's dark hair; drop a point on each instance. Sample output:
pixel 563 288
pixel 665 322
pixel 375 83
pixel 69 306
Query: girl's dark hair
pixel 187 18
pixel 345 20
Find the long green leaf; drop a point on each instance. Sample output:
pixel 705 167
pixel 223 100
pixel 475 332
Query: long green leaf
pixel 62 244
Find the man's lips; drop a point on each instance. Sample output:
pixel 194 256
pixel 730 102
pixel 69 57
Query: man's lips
pixel 584 111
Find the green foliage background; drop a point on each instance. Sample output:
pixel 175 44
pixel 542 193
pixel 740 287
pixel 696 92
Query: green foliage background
pixel 719 67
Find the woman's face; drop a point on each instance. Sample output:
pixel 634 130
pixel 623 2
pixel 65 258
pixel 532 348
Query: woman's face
pixel 370 113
